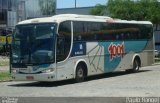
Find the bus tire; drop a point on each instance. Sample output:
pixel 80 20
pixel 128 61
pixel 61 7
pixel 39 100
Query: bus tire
pixel 136 65
pixel 80 73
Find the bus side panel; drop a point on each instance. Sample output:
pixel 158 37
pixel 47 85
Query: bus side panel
pixel 147 56
pixel 65 69
pixel 119 53
pixel 103 57
pixel 95 55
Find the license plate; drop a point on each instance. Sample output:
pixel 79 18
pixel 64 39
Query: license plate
pixel 29 77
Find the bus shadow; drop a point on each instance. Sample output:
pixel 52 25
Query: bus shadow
pixel 69 82
pixel 113 74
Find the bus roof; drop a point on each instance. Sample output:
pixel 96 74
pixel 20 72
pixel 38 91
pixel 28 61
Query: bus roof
pixel 76 17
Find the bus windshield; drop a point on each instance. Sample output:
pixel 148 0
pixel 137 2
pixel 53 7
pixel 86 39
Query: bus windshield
pixel 34 43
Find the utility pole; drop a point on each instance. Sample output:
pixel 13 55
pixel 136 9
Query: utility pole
pixel 75 3
pixel 47 9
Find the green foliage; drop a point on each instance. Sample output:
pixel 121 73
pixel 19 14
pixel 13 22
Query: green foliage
pixel 47 6
pixel 98 10
pixel 1 48
pixel 122 9
pixel 5 76
pixel 133 10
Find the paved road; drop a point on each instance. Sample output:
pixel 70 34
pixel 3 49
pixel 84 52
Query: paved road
pixel 120 84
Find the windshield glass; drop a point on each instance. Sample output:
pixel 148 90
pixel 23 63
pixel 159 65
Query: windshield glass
pixel 33 43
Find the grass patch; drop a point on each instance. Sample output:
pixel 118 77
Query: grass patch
pixel 5 76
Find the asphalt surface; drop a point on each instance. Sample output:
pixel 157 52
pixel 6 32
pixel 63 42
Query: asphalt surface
pixel 145 83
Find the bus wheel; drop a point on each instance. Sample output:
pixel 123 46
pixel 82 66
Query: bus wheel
pixel 136 65
pixel 80 73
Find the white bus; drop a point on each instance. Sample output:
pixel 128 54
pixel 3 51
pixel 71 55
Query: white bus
pixel 70 46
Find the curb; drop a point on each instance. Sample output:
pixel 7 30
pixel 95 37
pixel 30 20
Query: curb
pixel 5 81
pixel 156 64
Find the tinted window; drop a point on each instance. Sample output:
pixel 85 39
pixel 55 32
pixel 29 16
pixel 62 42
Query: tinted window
pixel 79 31
pixel 146 31
pixel 106 31
pixel 32 42
pixel 126 31
pixel 64 40
pixel 93 31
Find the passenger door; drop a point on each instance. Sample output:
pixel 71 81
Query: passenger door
pixel 63 50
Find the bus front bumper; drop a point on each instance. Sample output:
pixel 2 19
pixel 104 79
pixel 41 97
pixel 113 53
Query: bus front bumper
pixel 34 77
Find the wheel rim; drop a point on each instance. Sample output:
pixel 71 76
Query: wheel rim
pixel 80 73
pixel 136 65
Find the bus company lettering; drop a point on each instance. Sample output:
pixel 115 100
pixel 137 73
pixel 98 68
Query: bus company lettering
pixel 116 50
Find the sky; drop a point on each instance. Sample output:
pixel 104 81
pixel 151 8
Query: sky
pixel 80 3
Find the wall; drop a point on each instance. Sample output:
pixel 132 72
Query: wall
pixel 79 10
pixel 8 7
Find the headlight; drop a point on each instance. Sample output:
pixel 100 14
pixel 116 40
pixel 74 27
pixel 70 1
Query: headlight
pixel 48 70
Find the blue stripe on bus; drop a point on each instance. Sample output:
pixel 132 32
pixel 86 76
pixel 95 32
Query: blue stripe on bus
pixel 79 49
pixel 129 46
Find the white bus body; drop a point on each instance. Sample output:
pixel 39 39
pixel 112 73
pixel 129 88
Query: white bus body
pixel 69 46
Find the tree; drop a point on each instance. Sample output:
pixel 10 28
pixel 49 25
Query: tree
pixel 47 7
pixel 98 10
pixel 134 10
